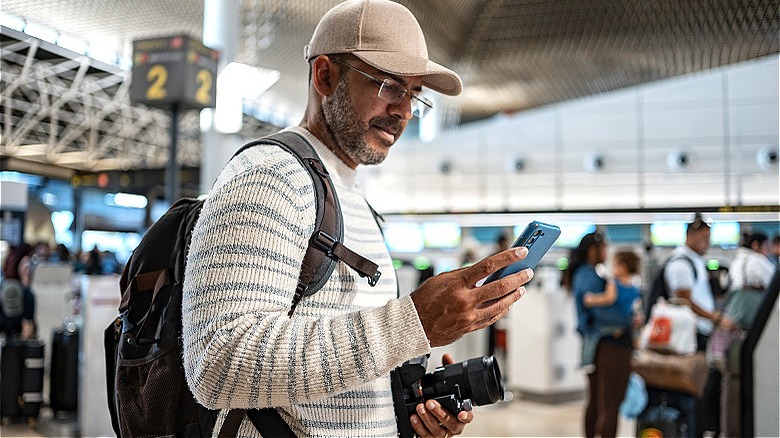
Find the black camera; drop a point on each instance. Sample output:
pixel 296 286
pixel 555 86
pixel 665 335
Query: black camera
pixel 457 387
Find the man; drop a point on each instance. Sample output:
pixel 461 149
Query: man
pixel 695 288
pixel 326 368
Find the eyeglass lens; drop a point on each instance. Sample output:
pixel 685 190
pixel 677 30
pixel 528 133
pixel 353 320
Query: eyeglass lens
pixel 393 93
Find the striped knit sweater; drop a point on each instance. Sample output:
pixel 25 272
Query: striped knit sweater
pixel 326 369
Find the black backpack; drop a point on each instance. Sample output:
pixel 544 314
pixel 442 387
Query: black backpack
pixel 659 288
pixel 147 391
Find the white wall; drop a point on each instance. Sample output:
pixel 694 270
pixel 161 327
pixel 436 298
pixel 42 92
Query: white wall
pixel 721 118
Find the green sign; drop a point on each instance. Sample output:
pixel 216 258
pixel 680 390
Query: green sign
pixel 174 70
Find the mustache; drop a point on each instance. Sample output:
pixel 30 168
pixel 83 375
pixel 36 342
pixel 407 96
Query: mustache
pixel 392 124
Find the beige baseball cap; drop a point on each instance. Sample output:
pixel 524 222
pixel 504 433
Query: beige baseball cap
pixel 385 35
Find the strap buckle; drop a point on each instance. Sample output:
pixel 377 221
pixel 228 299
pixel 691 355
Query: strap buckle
pixel 325 242
pixel 372 280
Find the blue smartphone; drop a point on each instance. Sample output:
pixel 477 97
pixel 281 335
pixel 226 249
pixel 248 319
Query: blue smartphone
pixel 538 237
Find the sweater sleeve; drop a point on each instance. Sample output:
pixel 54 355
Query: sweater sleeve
pixel 241 349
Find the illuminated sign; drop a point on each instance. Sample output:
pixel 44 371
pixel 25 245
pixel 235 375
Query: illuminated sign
pixel 174 70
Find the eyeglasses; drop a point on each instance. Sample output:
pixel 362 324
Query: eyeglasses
pixel 393 93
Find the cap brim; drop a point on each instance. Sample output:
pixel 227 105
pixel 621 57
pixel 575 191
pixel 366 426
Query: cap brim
pixel 435 76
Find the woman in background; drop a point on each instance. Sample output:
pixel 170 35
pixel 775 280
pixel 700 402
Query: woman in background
pixel 606 353
pixel 17 302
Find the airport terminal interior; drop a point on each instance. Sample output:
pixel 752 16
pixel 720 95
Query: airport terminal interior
pixel 626 118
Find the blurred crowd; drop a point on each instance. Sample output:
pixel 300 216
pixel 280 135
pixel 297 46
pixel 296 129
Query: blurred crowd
pixel 17 299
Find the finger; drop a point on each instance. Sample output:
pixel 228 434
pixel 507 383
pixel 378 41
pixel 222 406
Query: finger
pixel 448 422
pixel 447 359
pixel 498 289
pixel 465 417
pixel 419 427
pixel 491 264
pixel 497 309
pixel 430 421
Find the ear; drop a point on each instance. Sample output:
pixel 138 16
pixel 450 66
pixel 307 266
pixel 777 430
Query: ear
pixel 324 75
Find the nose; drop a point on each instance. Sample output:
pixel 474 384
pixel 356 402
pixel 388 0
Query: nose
pixel 402 109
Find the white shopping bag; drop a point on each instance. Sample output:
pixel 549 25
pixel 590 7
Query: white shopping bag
pixel 671 329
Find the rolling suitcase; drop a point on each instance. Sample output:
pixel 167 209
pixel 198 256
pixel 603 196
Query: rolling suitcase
pixel 64 374
pixel 21 378
pixel 668 414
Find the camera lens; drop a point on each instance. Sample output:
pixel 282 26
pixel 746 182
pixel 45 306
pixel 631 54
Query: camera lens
pixel 484 380
pixel 478 379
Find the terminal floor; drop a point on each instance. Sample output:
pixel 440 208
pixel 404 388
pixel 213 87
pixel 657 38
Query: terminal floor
pixel 522 418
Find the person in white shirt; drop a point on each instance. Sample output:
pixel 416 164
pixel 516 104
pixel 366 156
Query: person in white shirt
pixel 695 288
pixel 752 268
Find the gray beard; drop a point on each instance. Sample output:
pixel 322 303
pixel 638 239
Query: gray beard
pixel 345 128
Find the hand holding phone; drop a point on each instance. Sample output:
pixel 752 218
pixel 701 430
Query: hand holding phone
pixel 538 237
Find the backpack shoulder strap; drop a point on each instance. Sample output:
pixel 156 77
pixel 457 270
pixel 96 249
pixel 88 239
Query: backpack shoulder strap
pixel 687 259
pixel 326 243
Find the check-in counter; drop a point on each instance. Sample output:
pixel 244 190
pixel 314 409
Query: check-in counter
pixel 100 301
pixel 543 347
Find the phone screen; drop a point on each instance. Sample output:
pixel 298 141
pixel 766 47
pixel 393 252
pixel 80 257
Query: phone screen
pixel 538 237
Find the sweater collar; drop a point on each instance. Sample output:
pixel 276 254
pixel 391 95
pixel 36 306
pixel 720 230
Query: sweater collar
pixel 340 173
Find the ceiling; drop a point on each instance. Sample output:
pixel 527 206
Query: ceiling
pixel 512 54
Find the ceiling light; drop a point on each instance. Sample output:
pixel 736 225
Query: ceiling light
pixel 72 43
pixel 41 32
pixel 127 200
pixel 102 53
pixel 11 21
pixel 238 82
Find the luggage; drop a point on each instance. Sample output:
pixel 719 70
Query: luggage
pixel 21 378
pixel 683 373
pixel 668 414
pixel 64 371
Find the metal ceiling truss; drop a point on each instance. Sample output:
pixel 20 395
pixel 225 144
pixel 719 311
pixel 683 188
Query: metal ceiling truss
pixel 513 55
pixel 70 111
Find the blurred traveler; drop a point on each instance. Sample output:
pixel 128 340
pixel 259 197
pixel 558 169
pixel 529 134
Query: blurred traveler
pixel 606 343
pixel 752 267
pixel 751 272
pixel 620 304
pixel 17 302
pixel 60 254
pixel 776 250
pixel 695 288
pixel 325 368
pixel 93 264
pixel 109 264
pixel 41 252
pixel 80 259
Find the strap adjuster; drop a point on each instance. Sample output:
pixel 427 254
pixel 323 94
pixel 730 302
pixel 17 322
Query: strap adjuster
pixel 325 242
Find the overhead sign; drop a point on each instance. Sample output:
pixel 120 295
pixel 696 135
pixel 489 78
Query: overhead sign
pixel 174 70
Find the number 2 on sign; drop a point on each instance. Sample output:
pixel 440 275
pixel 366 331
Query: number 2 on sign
pixel 203 93
pixel 158 76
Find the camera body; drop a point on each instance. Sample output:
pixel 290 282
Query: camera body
pixel 457 387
